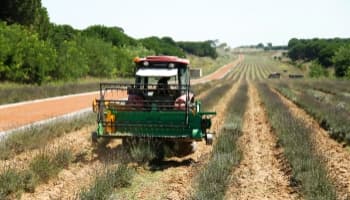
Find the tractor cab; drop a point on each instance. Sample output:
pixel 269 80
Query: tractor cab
pixel 163 80
pixel 158 105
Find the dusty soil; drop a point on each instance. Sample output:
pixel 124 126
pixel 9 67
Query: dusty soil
pixel 261 173
pixel 68 183
pixel 335 156
pixel 80 174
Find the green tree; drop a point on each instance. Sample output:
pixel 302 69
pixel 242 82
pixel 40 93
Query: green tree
pixel 58 34
pixel 19 11
pixel 206 48
pixel 317 70
pixel 260 45
pixel 42 23
pixel 164 46
pixel 341 61
pixel 100 56
pixel 24 57
pixel 26 12
pixel 115 35
pixel 72 62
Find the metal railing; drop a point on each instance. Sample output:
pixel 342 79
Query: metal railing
pixel 144 98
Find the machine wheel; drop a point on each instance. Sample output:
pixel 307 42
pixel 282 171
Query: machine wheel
pixel 94 137
pixel 209 139
pixel 185 148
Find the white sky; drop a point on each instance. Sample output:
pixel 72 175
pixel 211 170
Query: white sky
pixel 235 22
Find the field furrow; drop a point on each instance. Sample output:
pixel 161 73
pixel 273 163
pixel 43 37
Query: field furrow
pixel 261 174
pixel 335 156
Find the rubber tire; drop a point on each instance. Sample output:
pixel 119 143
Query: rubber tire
pixel 209 139
pixel 182 149
pixel 94 137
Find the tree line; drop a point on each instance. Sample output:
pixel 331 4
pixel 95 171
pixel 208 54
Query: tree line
pixel 34 50
pixel 323 53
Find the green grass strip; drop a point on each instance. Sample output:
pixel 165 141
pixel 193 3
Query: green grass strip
pixel 308 171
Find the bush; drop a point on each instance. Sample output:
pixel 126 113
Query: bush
pixel 10 182
pixel 105 184
pixel 44 166
pixel 24 58
pixel 162 46
pixel 72 62
pixel 330 116
pixel 63 158
pixel 341 61
pixel 30 180
pixel 212 181
pixel 206 48
pixel 317 71
pixel 142 151
pixel 100 56
pixel 308 170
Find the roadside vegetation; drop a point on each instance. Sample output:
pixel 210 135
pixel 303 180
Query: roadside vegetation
pixel 13 92
pixel 38 137
pixel 212 180
pixel 330 115
pixel 36 51
pixel 324 54
pixel 308 171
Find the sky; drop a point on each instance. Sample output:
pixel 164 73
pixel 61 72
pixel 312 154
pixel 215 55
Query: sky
pixel 235 22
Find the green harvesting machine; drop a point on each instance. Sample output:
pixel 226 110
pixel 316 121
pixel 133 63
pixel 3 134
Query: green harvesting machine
pixel 158 106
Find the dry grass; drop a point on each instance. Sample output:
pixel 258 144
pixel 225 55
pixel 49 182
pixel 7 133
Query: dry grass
pixel 107 182
pixel 42 168
pixel 38 137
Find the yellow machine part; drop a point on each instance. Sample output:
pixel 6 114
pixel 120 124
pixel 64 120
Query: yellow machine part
pixel 94 106
pixel 110 119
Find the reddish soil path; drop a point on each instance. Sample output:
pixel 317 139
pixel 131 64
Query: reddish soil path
pixel 16 116
pixel 24 114
pixel 220 73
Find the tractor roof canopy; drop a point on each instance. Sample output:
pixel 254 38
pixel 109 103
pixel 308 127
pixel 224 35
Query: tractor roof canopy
pixel 158 72
pixel 161 59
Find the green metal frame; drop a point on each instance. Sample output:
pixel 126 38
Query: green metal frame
pixel 158 124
